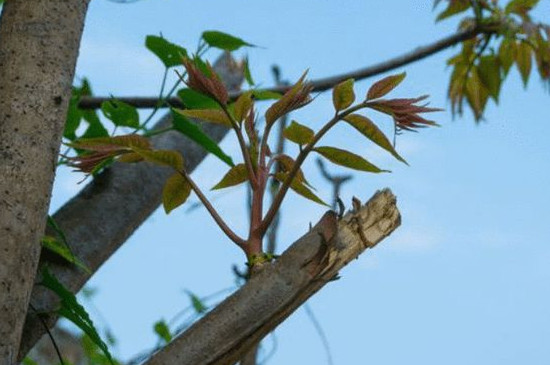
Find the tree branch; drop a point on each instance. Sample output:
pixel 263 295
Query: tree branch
pixel 324 83
pixel 225 334
pixel 129 192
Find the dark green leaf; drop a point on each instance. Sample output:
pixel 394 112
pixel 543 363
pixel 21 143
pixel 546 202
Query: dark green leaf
pixel 120 113
pixel 235 176
pixel 343 95
pixel 195 100
pixel 54 245
pixel 169 53
pixel 372 132
pixel 74 312
pixel 175 192
pixel 195 133
pixel 247 74
pixel 347 159
pixel 224 41
pixel 197 304
pixel 162 330
pixel 489 74
pixel 298 133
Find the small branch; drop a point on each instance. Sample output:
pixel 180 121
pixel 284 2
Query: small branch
pixel 230 330
pixel 219 220
pixel 323 83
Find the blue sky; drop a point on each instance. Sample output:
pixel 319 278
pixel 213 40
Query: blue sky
pixel 465 279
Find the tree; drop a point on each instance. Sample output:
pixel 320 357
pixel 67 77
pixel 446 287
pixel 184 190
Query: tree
pixel 477 102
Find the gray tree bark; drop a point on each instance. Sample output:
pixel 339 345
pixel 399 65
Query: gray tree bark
pixel 231 329
pixel 39 42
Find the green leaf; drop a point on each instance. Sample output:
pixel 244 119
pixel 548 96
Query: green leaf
pixel 384 86
pixel 520 7
pixel 372 132
pixel 455 7
pixel 208 115
pixel 242 106
pixel 247 74
pixel 197 304
pixel 195 133
pixel 162 330
pixel 489 74
pixel 56 246
pixel 298 133
pixel 523 61
pixel 343 95
pixel 286 164
pixel 175 192
pixel 300 189
pixel 507 54
pixel 347 159
pixel 74 312
pixel 111 143
pixel 476 94
pixel 224 41
pixel 169 53
pixel 120 113
pixel 266 95
pixel 170 158
pixel 26 360
pixel 195 100
pixel 235 176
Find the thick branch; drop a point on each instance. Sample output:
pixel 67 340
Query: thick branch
pixel 39 43
pixel 324 83
pixel 224 335
pixel 129 192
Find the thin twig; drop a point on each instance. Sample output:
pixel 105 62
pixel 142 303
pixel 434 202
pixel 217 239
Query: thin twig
pixel 324 83
pixel 57 351
pixel 320 332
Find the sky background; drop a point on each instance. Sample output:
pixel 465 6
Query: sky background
pixel 465 279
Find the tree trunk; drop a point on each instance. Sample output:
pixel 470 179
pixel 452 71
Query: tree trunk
pixel 39 42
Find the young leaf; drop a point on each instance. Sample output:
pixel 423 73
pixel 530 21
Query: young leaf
pixel 169 53
pixel 74 312
pixel 298 133
pixel 343 95
pixel 170 158
pixel 296 97
pixel 476 94
pixel 507 54
pixel 111 143
pixel 347 159
pixel 120 113
pixel 384 86
pixel 195 133
pixel 286 164
pixel 175 192
pixel 162 330
pixel 197 304
pixel 60 248
pixel 372 132
pixel 520 7
pixel 195 100
pixel 130 157
pixel 266 95
pixel 224 41
pixel 242 106
pixel 300 189
pixel 208 115
pixel 235 176
pixel 523 61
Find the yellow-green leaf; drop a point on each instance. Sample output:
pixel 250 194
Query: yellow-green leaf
pixel 507 54
pixel 169 158
pixel 347 159
pixel 242 106
pixel 489 74
pixel 384 86
pixel 523 61
pixel 455 7
pixel 175 192
pixel 343 95
pixel 295 98
pixel 208 115
pixel 298 133
pixel 287 163
pixel 102 143
pixel 235 176
pixel 130 157
pixel 476 94
pixel 372 132
pixel 520 7
pixel 300 188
